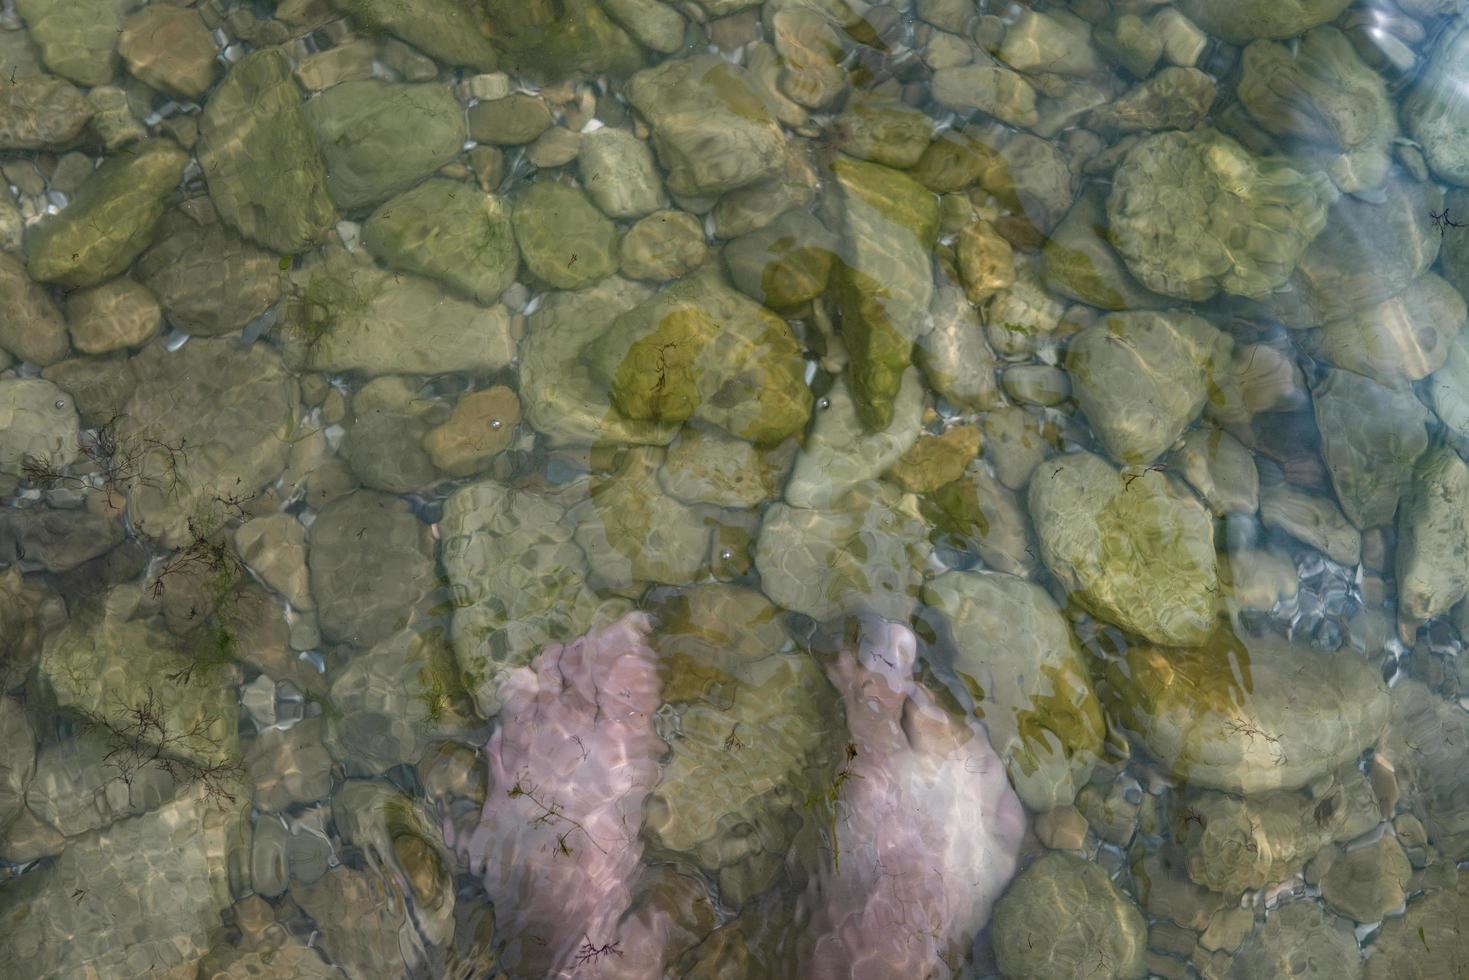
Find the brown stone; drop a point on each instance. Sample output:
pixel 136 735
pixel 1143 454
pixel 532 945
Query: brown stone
pixel 171 49
pixel 480 426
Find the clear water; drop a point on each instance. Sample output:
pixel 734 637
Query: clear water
pixel 721 489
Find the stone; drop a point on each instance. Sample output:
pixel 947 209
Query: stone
pixel 865 552
pixel 1129 547
pixel 840 453
pixel 954 355
pixel 1127 40
pixel 110 219
pixel 442 29
pixel 563 238
pixel 19 740
pixel 1033 179
pixel 170 49
pixel 632 532
pixel 1425 737
pixel 888 222
pixel 784 264
pixel 513 120
pixel 163 874
pixel 1142 378
pixel 1298 941
pixel 986 261
pixel 1366 883
pixel 1021 318
pixel 1370 438
pixel 377 139
pixel 41 111
pixel 31 327
pixel 1436 112
pixel 1433 522
pixel 810 52
pixel 1401 339
pixel 393 700
pixel 1428 940
pixel 38 426
pixel 706 466
pixel 360 602
pixel 653 24
pixel 209 281
pixel 1049 42
pixel 562 399
pixel 711 130
pixel 58 540
pixel 479 428
pixel 1448 387
pixel 1242 22
pixel 1174 98
pixel 1311 518
pixel 1080 264
pixel 1015 443
pixel 362 920
pixel 100 386
pixel 701 350
pixel 1061 829
pixel 113 316
pixel 274 546
pixel 1233 715
pixel 1015 655
pixel 518 580
pixel 76 38
pixel 1063 917
pixel 266 177
pixel 346 314
pixel 1325 102
pixel 1221 469
pixel 549 40
pixel 1181 201
pixel 448 231
pixel 619 174
pixel 976 513
pixel 664 245
pixel 289 766
pixel 993 89
pixel 882 131
pixel 345 62
pixel 935 459
pixel 207 421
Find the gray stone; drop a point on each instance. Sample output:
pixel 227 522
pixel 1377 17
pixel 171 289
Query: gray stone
pixel 618 173
pixel 361 601
pixel 993 89
pixel 1312 518
pixel 1370 438
pixel 1436 111
pixel 1366 883
pixel 31 327
pixel 209 281
pixel 59 540
pixel 840 453
pixel 564 239
pixel 38 424
pixel 1433 526
pixel 116 315
pixel 1249 19
pixel 1298 941
pixel 954 356
pixel 1221 469
pixel 442 29
pixel 1400 339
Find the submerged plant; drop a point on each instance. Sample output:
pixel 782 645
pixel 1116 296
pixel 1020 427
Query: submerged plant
pixel 141 739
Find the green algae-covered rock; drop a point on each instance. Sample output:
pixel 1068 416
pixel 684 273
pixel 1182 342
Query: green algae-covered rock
pixel 107 667
pixel 1014 652
pixel 784 264
pixel 840 453
pixel 1370 437
pixel 1063 917
pixel 208 420
pixel 753 740
pixel 517 579
pixel 110 219
pixel 448 31
pixel 1320 96
pixel 888 222
pixel 551 39
pixel 1142 378
pixel 1195 213
pixel 701 350
pixel 566 241
pixel 449 231
pixel 712 130
pixel 564 400
pixel 77 38
pixel 377 138
pixel 1129 547
pixel 631 531
pixel 1433 528
pixel 347 314
pixel 141 898
pixel 1245 20
pixel 1238 714
pixel 865 552
pixel 41 111
pixel 1298 941
pixel 265 174
pixel 208 280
